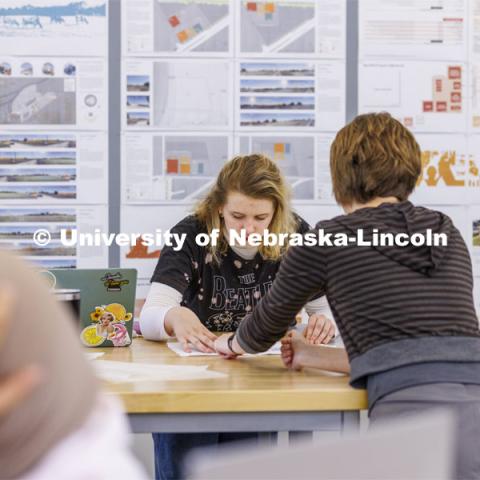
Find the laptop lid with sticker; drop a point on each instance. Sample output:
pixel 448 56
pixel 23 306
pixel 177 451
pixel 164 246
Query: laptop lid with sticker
pixel 106 303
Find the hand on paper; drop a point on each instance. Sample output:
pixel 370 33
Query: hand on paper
pixel 320 329
pixel 188 329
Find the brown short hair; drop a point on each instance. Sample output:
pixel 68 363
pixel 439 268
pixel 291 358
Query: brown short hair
pixel 255 176
pixel 374 156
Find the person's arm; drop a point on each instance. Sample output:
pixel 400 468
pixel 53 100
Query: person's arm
pixel 189 330
pixel 178 269
pixel 301 275
pixel 298 354
pixel 163 318
pixel 321 327
pixel 160 300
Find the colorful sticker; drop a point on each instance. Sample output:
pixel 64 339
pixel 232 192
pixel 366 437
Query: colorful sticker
pixel 110 325
pixel 114 282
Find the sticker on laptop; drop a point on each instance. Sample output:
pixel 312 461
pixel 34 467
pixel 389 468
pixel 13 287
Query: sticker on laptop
pixel 108 324
pixel 114 282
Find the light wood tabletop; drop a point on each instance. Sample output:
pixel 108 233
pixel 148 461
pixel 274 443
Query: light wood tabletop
pixel 251 384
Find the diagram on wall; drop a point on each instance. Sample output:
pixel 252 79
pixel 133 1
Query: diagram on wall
pixel 290 96
pixel 474 237
pixel 53 140
pixel 277 95
pixel 18 224
pixel 177 94
pixel 52 93
pixel 294 155
pixel 474 89
pixel 324 179
pixel 55 27
pixel 473 168
pixel 428 29
pixel 277 27
pixel 36 101
pixel 449 169
pixel 38 168
pixel 292 28
pixel 171 167
pixel 177 27
pixel 206 80
pixel 426 97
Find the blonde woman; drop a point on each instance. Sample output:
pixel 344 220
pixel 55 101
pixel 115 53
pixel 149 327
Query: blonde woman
pixel 200 290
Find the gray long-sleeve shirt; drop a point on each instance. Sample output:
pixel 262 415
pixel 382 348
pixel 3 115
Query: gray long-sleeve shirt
pixel 393 305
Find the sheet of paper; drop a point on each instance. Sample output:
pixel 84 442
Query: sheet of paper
pixel 178 27
pixel 177 348
pixel 307 96
pixel 53 27
pixel 134 372
pixel 427 97
pixel 53 168
pixel 423 29
pixel 472 239
pixel 53 93
pixel 93 355
pixel 295 155
pixel 162 168
pixel 177 95
pixel 18 224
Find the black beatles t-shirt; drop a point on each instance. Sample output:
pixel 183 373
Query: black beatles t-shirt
pixel 220 293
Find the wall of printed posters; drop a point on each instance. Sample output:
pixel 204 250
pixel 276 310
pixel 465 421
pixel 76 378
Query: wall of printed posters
pixel 205 80
pixel 419 61
pixel 53 128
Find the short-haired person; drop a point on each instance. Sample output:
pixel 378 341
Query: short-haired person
pixel 406 314
pixel 199 290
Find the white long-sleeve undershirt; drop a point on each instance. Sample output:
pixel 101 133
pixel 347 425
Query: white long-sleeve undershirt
pixel 161 298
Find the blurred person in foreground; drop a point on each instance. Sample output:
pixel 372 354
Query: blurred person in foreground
pixel 55 421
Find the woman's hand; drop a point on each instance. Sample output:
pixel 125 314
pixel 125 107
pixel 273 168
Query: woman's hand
pixel 320 329
pixel 187 327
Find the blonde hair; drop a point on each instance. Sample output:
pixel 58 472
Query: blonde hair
pixel 374 156
pixel 255 176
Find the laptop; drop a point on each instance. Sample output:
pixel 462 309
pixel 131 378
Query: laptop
pixel 107 302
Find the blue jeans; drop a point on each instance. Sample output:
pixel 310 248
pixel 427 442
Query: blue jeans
pixel 171 449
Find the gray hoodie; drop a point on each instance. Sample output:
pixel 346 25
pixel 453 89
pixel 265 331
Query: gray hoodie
pixel 394 306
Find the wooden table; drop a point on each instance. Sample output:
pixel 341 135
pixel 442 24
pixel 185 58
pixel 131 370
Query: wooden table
pixel 257 394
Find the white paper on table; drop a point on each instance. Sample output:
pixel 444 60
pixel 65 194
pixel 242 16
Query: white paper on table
pixel 93 355
pixel 177 348
pixel 133 372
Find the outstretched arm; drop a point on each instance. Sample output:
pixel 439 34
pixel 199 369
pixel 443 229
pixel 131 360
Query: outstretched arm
pixel 302 275
pixel 298 354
